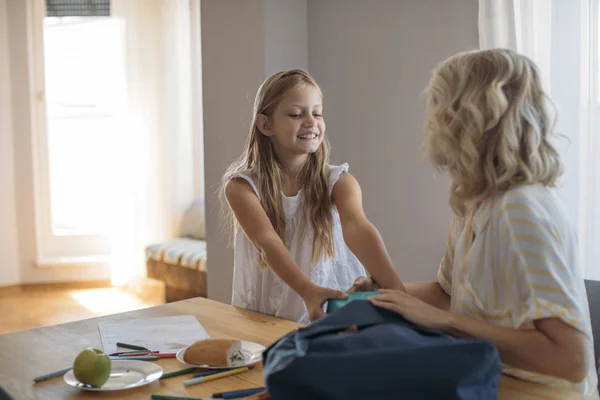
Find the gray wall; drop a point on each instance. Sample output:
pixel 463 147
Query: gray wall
pixel 232 68
pixel 243 42
pixel 373 59
pixel 286 36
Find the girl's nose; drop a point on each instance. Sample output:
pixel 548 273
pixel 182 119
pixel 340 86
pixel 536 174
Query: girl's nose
pixel 309 121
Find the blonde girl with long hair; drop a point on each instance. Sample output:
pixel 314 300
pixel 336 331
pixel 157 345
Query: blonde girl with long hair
pixel 301 236
pixel 510 273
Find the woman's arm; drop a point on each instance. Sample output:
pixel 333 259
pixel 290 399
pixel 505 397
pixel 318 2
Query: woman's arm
pixel 552 348
pixel 259 230
pixel 361 236
pixel 430 292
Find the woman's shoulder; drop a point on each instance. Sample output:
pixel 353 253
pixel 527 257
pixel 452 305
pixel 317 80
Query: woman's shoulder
pixel 540 199
pixel 537 204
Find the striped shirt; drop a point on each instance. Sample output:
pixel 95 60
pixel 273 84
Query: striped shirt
pixel 515 261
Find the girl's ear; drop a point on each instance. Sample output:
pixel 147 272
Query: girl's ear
pixel 263 125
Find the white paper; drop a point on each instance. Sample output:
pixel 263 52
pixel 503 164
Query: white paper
pixel 164 334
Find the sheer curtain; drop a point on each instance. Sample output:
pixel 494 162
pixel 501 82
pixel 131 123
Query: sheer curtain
pixel 562 38
pixel 161 133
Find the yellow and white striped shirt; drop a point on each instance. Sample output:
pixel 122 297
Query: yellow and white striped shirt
pixel 515 261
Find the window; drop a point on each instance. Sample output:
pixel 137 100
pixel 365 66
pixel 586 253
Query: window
pixel 116 128
pixel 80 98
pixel 596 57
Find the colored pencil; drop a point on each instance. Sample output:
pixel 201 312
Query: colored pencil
pixel 237 393
pixel 131 346
pixel 141 358
pixel 157 354
pixel 51 375
pixel 167 355
pixel 134 353
pixel 206 373
pixel 178 373
pixel 215 376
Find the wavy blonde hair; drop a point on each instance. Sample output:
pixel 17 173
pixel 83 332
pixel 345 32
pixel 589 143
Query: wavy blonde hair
pixel 489 123
pixel 261 161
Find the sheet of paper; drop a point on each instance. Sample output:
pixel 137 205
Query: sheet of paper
pixel 165 334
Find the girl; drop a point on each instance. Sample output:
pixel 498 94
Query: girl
pixel 509 274
pixel 305 236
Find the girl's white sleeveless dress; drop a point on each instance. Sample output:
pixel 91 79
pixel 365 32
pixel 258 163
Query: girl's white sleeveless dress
pixel 262 290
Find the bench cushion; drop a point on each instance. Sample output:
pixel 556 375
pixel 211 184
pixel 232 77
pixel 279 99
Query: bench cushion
pixel 185 252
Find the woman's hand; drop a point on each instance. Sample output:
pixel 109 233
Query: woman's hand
pixel 363 284
pixel 414 310
pixel 316 297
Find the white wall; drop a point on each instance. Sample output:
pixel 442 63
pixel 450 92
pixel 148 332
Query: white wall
pixel 9 261
pixel 373 59
pixel 23 155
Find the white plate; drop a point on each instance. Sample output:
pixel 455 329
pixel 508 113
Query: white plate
pixel 124 374
pixel 252 354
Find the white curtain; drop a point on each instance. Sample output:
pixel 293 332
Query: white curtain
pixel 561 36
pixel 162 127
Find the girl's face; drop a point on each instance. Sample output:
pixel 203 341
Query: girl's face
pixel 296 125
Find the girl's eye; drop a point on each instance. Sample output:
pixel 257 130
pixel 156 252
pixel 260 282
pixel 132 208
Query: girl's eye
pixel 318 115
pixel 295 115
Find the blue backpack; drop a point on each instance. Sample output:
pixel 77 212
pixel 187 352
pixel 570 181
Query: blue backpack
pixel 364 352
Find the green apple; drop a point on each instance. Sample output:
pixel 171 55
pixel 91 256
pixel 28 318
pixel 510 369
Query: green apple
pixel 92 366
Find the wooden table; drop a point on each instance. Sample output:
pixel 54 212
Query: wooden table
pixel 24 355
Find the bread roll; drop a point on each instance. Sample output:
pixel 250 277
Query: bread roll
pixel 214 352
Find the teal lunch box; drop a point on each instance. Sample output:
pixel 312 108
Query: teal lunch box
pixel 336 304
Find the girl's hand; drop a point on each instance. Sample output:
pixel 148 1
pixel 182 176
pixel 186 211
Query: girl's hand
pixel 316 297
pixel 414 310
pixel 363 284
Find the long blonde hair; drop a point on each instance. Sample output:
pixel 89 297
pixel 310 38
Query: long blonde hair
pixel 489 123
pixel 260 160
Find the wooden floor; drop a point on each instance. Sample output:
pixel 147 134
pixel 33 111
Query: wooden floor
pixel 34 307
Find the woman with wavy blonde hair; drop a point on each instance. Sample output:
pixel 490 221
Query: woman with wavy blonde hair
pixel 304 236
pixel 510 273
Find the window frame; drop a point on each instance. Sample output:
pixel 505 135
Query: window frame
pixel 590 137
pixel 53 248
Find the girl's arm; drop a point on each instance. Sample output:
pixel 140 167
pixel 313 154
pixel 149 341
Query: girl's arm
pixel 361 236
pixel 259 230
pixel 552 348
